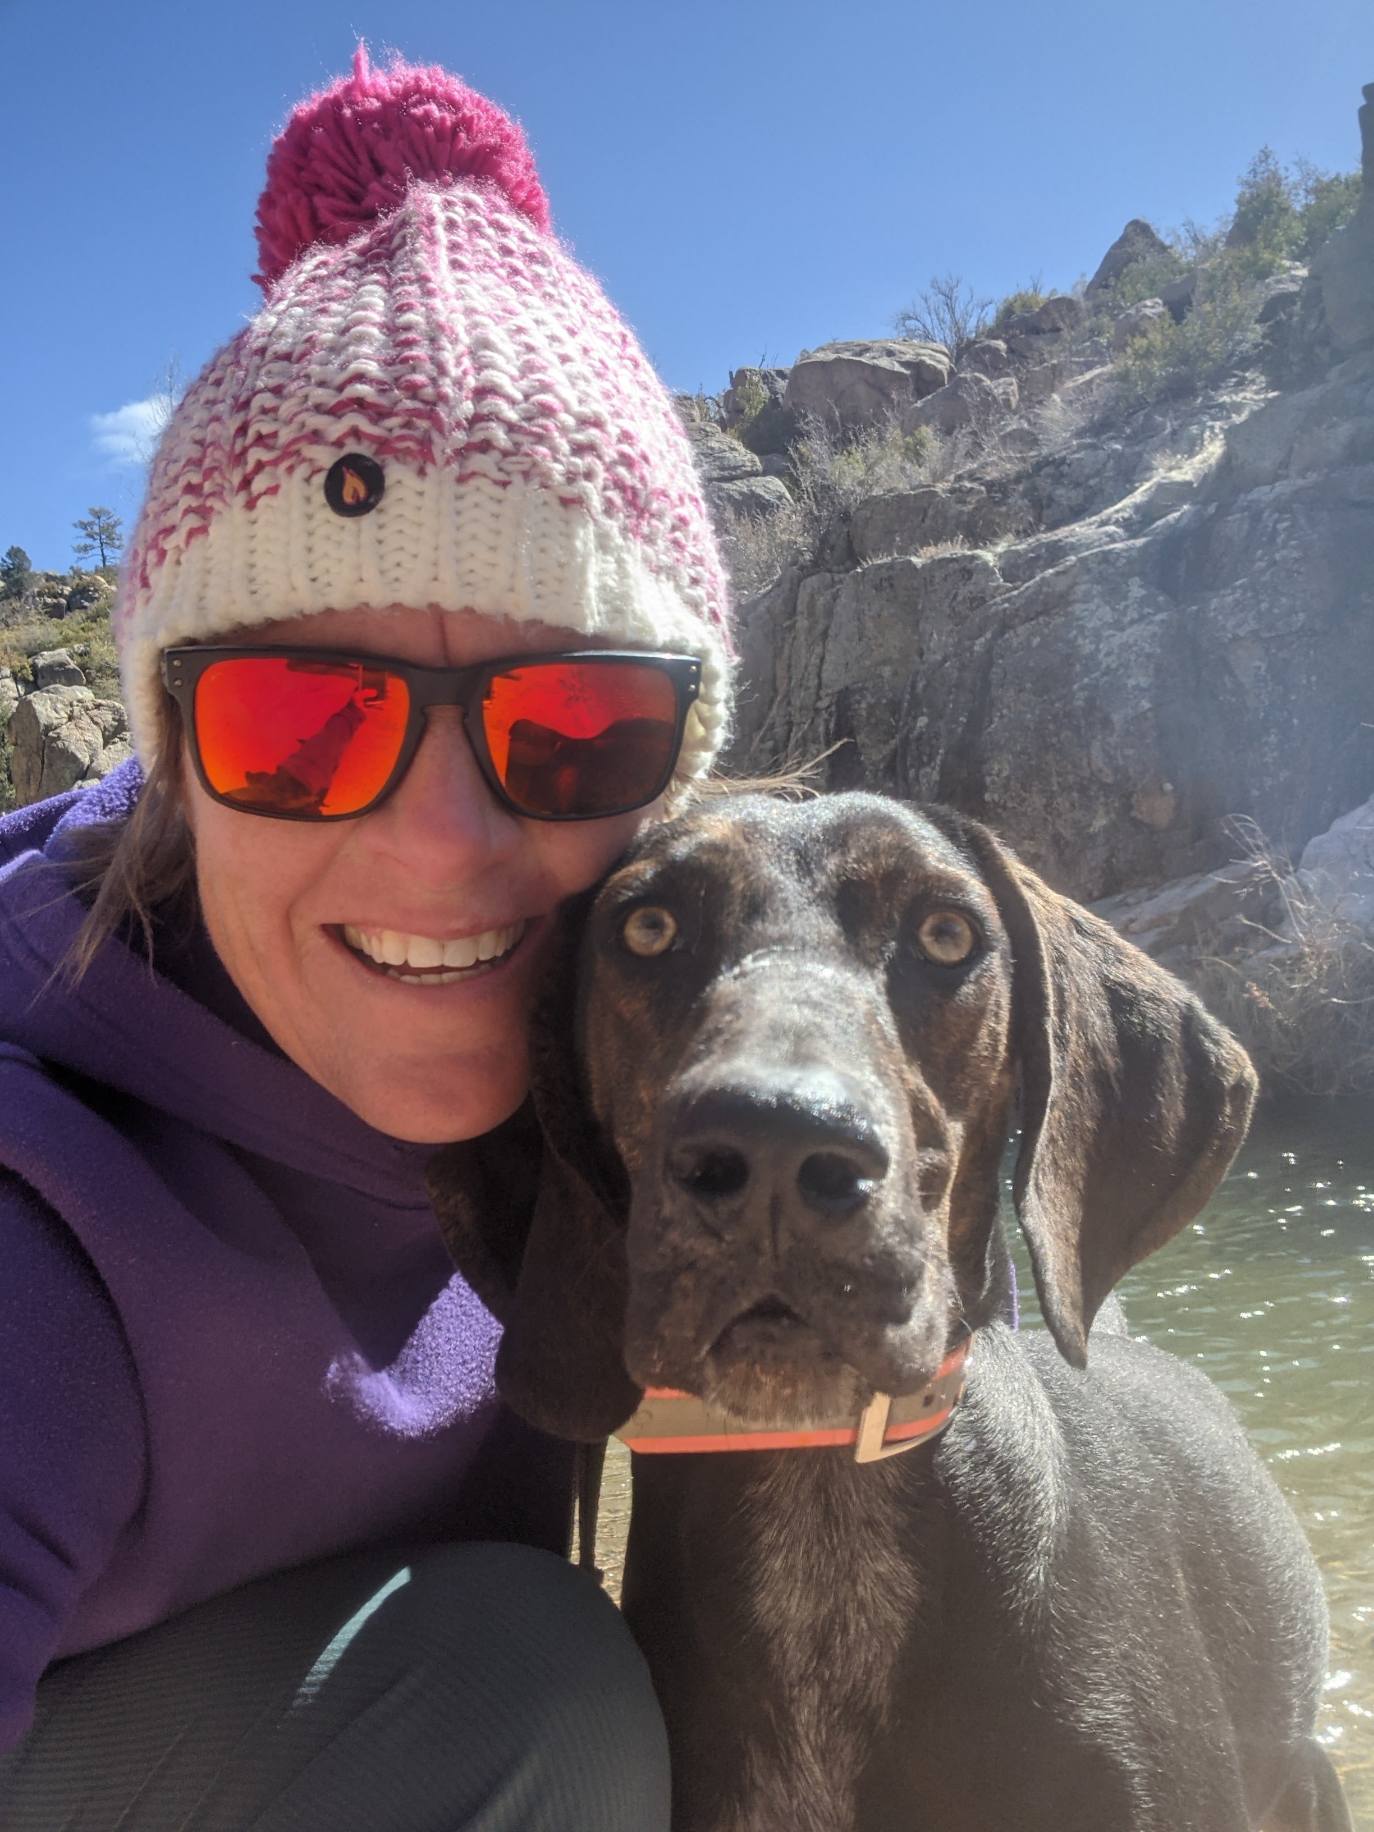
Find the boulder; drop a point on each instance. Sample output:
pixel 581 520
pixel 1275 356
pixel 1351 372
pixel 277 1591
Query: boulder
pixel 753 410
pixel 1280 293
pixel 750 390
pixel 1137 319
pixel 1178 295
pixel 967 402
pixel 1136 242
pixel 1040 381
pixel 718 457
pixel 858 384
pixel 830 658
pixel 752 496
pixel 9 697
pixel 987 356
pixel 1337 868
pixel 1157 625
pixel 55 668
pixel 63 735
pixel 1058 314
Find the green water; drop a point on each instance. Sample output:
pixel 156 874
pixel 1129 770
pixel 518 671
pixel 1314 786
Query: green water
pixel 1271 1293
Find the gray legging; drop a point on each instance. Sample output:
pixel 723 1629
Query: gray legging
pixel 464 1688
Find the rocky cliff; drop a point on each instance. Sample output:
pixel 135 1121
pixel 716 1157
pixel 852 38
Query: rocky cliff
pixel 1113 627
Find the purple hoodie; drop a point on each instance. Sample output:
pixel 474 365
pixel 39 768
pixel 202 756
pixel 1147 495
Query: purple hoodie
pixel 231 1339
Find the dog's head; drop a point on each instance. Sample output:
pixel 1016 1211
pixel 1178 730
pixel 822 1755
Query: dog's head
pixel 775 1071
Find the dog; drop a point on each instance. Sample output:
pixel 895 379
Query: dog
pixel 779 1060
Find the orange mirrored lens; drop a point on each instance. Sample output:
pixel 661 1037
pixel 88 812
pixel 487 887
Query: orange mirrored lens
pixel 581 738
pixel 295 735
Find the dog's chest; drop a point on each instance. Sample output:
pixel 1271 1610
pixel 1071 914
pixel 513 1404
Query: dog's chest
pixel 831 1586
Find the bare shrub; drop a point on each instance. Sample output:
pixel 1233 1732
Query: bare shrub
pixel 1303 1002
pixel 833 471
pixel 1058 419
pixel 947 312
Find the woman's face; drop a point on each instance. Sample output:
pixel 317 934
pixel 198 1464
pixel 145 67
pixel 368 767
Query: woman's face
pixel 440 860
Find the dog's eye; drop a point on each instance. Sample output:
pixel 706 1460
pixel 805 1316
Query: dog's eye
pixel 947 937
pixel 649 930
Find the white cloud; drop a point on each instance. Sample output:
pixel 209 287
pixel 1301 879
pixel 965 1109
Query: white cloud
pixel 128 435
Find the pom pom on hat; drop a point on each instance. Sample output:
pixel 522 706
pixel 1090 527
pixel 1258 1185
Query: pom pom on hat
pixel 346 156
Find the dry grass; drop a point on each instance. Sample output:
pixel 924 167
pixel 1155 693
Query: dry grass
pixel 1303 1002
pixel 830 474
pixel 757 548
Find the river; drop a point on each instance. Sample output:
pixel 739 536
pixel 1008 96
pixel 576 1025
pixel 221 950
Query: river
pixel 1271 1293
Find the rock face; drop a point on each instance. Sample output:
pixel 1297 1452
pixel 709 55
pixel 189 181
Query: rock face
pixel 60 735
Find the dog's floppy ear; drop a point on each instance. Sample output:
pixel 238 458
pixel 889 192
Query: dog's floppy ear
pixel 1134 1100
pixel 534 1216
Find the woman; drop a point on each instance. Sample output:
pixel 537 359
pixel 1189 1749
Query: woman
pixel 421 619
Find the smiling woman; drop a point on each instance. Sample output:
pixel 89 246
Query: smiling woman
pixel 422 619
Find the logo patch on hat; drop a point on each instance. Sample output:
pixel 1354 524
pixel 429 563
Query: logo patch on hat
pixel 354 484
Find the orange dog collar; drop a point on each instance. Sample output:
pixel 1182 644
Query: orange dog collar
pixel 668 1421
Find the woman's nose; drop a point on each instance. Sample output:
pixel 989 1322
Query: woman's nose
pixel 442 819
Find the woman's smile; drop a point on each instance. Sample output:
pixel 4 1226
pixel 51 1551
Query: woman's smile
pixel 426 960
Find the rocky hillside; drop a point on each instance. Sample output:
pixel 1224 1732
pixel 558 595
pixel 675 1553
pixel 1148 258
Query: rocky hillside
pixel 61 722
pixel 1104 578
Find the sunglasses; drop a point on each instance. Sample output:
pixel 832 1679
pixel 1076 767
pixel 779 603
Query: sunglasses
pixel 326 735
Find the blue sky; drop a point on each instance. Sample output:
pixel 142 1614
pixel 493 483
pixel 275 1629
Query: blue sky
pixel 745 179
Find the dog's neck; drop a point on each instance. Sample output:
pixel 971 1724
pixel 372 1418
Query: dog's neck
pixel 669 1422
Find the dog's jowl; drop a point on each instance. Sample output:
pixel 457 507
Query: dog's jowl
pixel 894 1562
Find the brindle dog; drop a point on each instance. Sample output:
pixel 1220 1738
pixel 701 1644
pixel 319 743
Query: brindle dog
pixel 775 1076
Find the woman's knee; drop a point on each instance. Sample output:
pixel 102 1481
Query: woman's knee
pixel 516 1668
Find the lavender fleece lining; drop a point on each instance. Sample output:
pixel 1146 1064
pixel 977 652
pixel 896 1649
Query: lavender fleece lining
pixel 231 1339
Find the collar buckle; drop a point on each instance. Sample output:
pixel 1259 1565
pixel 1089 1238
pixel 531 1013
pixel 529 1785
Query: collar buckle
pixel 869 1446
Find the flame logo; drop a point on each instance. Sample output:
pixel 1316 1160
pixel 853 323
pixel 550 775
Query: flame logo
pixel 355 484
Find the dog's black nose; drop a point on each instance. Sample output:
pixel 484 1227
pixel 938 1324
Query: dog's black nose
pixel 805 1137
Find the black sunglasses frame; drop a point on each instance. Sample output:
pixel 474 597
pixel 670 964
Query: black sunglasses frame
pixel 463 687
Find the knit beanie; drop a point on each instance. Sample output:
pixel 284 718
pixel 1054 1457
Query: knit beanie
pixel 435 407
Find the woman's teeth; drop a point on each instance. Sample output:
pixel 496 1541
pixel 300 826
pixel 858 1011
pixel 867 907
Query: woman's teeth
pixel 431 962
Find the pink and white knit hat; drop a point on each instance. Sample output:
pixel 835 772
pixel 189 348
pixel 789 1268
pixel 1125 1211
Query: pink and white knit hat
pixel 518 456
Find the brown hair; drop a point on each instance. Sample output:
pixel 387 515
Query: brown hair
pixel 126 870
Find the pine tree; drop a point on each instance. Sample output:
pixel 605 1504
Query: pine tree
pixel 101 532
pixel 16 574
